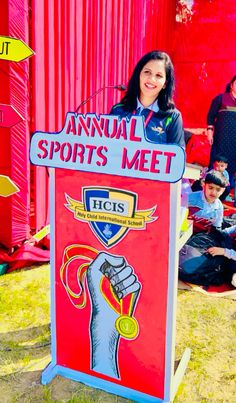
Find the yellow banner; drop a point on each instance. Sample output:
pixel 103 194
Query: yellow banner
pixel 7 186
pixel 138 221
pixel 14 49
pixel 42 233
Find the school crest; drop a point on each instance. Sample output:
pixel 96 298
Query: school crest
pixel 111 213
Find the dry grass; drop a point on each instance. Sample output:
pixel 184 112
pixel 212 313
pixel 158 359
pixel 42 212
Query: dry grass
pixel 205 324
pixel 208 326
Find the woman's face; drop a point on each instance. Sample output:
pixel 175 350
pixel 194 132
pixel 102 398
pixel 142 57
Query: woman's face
pixel 151 80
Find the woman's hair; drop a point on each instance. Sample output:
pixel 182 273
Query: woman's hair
pixel 228 86
pixel 165 100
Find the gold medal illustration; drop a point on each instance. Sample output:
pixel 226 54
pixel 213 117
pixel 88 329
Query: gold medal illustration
pixel 127 326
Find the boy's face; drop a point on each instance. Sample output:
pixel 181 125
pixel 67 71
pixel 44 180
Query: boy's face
pixel 220 166
pixel 212 192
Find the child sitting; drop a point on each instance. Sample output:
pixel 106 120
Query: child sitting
pixel 229 253
pixel 220 164
pixel 209 258
pixel 205 208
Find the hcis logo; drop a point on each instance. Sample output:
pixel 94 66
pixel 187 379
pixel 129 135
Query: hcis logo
pixel 110 212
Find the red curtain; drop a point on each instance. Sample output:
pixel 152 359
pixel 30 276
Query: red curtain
pixel 14 151
pixel 203 49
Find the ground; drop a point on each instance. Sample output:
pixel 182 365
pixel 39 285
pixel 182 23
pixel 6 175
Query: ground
pixel 207 325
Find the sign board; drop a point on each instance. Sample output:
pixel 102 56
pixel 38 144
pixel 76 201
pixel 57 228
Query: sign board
pixel 9 116
pixel 107 144
pixel 114 209
pixel 14 49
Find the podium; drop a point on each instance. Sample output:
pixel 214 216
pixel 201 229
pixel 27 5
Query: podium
pixel 115 225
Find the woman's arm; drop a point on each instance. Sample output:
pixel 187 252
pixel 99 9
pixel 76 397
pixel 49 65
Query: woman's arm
pixel 175 131
pixel 214 108
pixel 211 117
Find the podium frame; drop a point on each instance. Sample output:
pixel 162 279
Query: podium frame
pixel 171 377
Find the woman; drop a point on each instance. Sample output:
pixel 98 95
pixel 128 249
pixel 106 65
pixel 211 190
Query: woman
pixel 149 93
pixel 221 129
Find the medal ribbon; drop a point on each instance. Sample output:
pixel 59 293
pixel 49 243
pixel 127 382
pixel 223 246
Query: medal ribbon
pixel 147 119
pixel 86 254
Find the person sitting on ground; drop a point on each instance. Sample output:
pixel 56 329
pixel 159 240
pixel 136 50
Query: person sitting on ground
pixel 220 164
pixel 229 253
pixel 204 206
pixel 209 258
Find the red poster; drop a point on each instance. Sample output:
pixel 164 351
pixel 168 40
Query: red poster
pixel 145 250
pixel 115 203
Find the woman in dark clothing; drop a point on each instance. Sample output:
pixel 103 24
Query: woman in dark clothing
pixel 149 93
pixel 221 129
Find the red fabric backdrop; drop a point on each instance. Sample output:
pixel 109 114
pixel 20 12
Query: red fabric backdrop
pixel 203 50
pixel 14 161
pixel 84 45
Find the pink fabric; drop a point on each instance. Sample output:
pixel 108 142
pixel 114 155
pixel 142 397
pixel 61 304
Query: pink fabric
pixel 24 256
pixel 14 153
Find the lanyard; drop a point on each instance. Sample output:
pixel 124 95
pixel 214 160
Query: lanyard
pixel 147 119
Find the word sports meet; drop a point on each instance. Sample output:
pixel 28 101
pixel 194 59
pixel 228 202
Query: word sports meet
pixel 114 208
pixel 107 144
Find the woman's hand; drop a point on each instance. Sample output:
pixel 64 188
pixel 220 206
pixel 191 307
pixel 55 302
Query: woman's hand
pixel 215 250
pixel 210 136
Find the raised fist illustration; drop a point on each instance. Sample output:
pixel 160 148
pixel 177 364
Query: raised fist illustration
pixel 108 320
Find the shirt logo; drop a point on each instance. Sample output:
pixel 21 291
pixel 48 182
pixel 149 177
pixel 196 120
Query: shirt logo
pixel 158 129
